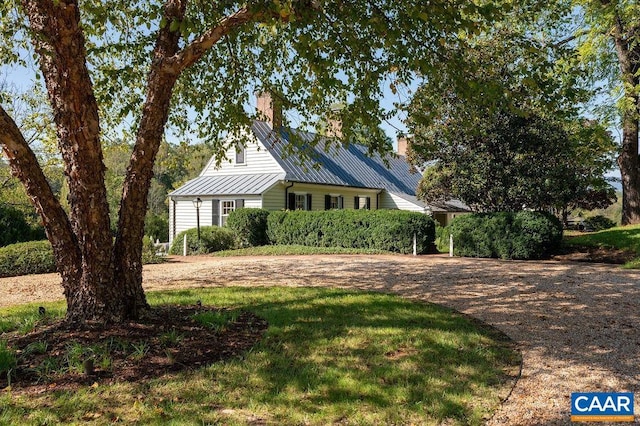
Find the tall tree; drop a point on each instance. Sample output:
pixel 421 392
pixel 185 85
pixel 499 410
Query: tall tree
pixel 609 40
pixel 179 61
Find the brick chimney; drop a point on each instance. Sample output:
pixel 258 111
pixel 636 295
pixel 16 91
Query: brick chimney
pixel 269 109
pixel 402 145
pixel 334 128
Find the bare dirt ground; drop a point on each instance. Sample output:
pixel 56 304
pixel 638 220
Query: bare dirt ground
pixel 576 324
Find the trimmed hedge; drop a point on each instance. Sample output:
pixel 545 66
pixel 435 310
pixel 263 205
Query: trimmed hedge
pixel 250 226
pixel 33 257
pixel 36 257
pixel 388 230
pixel 521 235
pixel 212 239
pixel 598 223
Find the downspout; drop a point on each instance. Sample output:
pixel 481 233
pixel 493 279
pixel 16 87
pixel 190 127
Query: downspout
pixel 286 195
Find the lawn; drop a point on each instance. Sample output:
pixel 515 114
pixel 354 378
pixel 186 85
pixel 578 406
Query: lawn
pixel 620 238
pixel 328 356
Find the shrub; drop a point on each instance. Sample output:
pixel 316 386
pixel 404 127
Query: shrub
pixel 598 223
pixel 149 252
pixel 157 226
pixel 13 226
pixel 388 230
pixel 34 257
pixel 521 235
pixel 212 239
pixel 250 226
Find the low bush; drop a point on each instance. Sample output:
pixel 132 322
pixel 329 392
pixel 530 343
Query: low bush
pixel 250 226
pixel 14 228
pixel 34 257
pixel 521 235
pixel 598 223
pixel 388 230
pixel 212 239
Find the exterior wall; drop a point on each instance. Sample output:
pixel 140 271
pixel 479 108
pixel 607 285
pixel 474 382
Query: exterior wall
pixel 318 193
pixel 257 161
pixel 391 202
pixel 273 199
pixel 185 212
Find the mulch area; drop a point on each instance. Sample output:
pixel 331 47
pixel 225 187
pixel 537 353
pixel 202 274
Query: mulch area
pixel 596 255
pixel 166 341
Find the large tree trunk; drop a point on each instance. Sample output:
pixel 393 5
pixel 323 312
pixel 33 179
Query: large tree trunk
pixel 92 294
pixel 102 280
pixel 628 52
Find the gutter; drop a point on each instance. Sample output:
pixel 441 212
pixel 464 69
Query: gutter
pixel 286 194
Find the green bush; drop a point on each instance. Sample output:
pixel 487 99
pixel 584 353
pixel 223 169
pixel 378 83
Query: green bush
pixel 250 226
pixel 388 230
pixel 212 239
pixel 598 223
pixel 34 257
pixel 157 226
pixel 149 252
pixel 14 228
pixel 521 235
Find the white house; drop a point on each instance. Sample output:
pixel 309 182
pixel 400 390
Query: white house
pixel 260 174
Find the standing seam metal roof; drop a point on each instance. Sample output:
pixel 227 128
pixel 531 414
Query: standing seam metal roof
pixel 338 165
pixel 254 184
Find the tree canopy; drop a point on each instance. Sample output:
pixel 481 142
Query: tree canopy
pixel 192 65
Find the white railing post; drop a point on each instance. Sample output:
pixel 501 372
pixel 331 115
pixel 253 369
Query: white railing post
pixel 450 245
pixel 415 245
pixel 184 246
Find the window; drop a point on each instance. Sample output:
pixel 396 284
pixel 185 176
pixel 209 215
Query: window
pixel 241 153
pixel 301 202
pixel 332 202
pixel 227 207
pixel 362 203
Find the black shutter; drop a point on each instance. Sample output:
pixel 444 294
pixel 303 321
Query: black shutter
pixel 292 202
pixel 368 203
pixel 239 204
pixel 308 201
pixel 356 203
pixel 215 212
pixel 327 202
pixel 341 202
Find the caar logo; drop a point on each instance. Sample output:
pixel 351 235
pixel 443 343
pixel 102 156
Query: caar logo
pixel 602 407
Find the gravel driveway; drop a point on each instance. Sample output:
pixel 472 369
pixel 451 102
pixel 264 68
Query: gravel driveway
pixel 577 324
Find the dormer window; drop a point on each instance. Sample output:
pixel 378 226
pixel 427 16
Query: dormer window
pixel 241 154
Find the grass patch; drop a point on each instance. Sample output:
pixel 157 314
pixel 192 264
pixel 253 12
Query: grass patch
pixel 292 250
pixel 620 238
pixel 329 356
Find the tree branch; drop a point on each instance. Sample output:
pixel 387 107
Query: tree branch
pixel 24 166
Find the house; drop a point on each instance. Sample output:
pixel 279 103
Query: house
pixel 260 174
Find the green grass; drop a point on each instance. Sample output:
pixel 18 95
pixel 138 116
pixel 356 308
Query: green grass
pixel 291 250
pixel 620 237
pixel 329 356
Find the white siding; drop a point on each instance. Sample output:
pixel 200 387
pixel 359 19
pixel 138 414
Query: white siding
pixel 257 161
pixel 390 201
pixel 186 212
pixel 273 199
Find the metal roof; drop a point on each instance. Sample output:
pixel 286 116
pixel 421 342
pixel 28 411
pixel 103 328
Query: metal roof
pixel 228 185
pixel 337 164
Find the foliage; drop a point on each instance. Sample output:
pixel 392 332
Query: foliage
pixel 34 257
pixel 388 230
pixel 509 139
pixel 521 235
pixel 212 239
pixel 149 252
pixel 14 228
pixel 598 223
pixel 250 226
pixel 329 356
pixel 295 250
pixel 157 226
pixel 8 360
